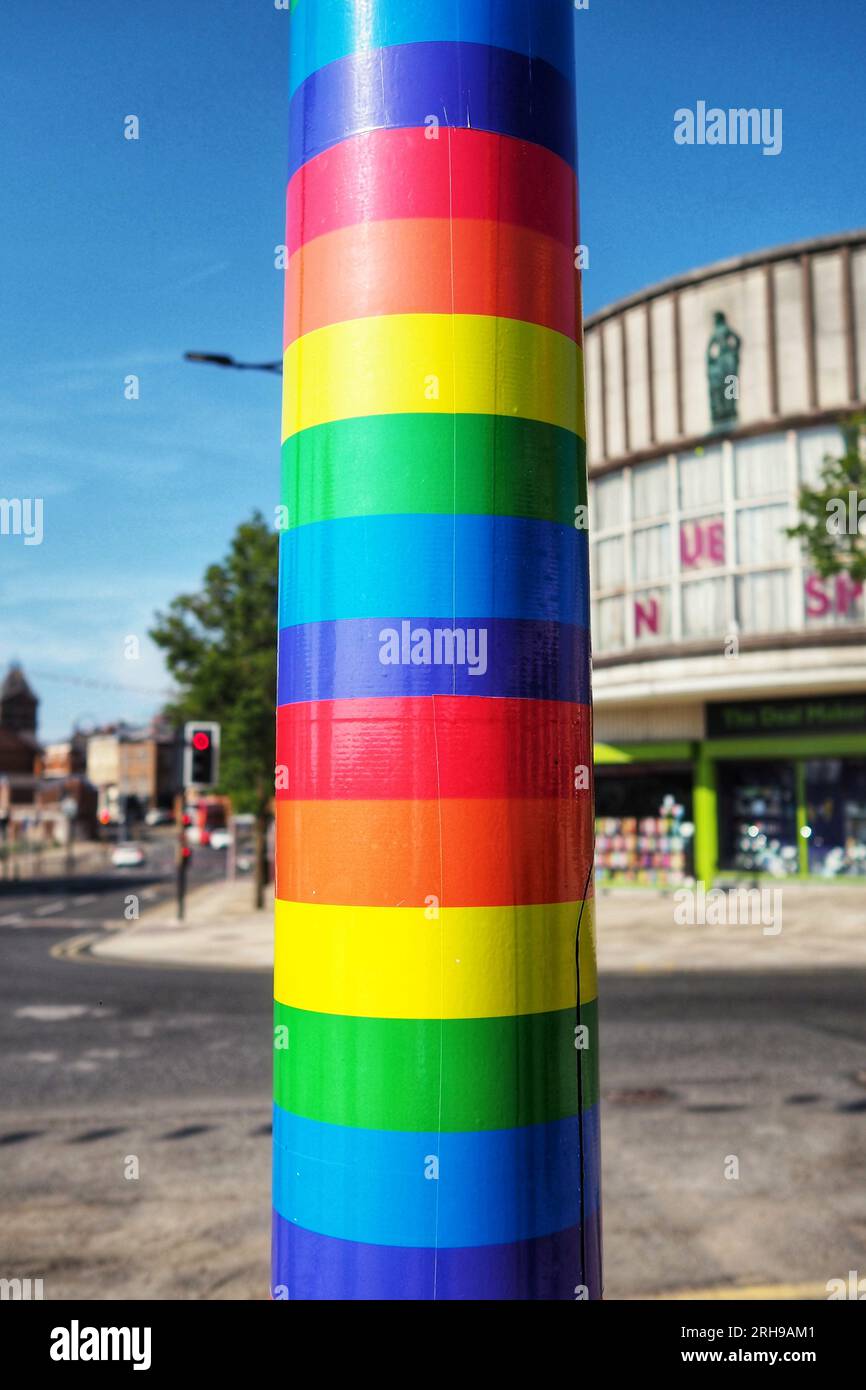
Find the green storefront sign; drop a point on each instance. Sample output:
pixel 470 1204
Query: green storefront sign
pixel 828 714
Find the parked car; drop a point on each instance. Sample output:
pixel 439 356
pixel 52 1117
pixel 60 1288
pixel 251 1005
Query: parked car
pixel 159 816
pixel 220 839
pixel 128 856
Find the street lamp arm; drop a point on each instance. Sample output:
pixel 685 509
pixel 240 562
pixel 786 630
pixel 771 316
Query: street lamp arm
pixel 222 359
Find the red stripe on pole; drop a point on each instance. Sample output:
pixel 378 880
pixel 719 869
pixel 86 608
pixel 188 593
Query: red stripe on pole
pixel 385 174
pixel 447 745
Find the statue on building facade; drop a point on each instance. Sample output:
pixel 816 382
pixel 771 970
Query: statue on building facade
pixel 723 368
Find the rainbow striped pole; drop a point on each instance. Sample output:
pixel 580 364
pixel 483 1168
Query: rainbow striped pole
pixel 436 1116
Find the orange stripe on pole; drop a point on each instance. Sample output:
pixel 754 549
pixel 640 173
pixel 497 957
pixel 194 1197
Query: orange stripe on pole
pixel 391 853
pixel 432 266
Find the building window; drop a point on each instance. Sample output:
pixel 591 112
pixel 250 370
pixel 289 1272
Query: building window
pixel 652 553
pixel 607 561
pixel 607 503
pixel 704 608
pixel 761 467
pixel 719 515
pixel 832 602
pixel 651 614
pixel 815 446
pixel 761 535
pixel 608 624
pixel 650 490
pixel 758 818
pixel 701 479
pixel 643 825
pixel 702 543
pixel 762 602
pixel 836 816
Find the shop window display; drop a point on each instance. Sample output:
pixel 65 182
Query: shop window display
pixel 758 818
pixel 652 844
pixel 836 817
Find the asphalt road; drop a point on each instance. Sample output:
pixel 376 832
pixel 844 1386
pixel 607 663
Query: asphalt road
pixel 97 895
pixel 134 1141
pixel 767 1069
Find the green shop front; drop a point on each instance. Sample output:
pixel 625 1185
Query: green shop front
pixel 777 788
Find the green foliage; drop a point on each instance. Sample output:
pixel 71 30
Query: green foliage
pixel 220 647
pixel 829 513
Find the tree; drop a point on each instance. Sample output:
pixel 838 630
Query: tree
pixel 833 514
pixel 220 647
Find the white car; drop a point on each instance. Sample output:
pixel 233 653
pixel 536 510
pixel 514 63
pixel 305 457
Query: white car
pixel 128 856
pixel 158 816
pixel 220 839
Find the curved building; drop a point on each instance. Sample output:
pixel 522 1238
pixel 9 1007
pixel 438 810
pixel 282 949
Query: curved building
pixel 730 681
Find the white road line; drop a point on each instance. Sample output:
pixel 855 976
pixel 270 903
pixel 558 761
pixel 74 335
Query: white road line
pixel 88 898
pixel 13 920
pixel 49 910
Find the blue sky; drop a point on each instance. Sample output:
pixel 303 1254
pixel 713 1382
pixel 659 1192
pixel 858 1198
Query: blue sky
pixel 116 256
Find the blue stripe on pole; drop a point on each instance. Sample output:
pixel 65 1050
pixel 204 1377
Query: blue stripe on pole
pixel 323 31
pixel 342 660
pixel 382 1187
pixel 460 84
pixel 550 1268
pixel 502 566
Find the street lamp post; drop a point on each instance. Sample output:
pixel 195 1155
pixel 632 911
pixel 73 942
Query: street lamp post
pixel 69 807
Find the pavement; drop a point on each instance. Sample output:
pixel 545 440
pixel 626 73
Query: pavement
pixel 637 931
pixel 220 930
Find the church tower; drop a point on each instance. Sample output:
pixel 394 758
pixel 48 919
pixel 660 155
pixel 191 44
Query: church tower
pixel 18 704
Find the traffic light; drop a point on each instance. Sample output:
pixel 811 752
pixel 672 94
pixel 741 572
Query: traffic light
pixel 201 744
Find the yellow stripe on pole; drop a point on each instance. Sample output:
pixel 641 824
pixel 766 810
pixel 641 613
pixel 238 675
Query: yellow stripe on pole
pixel 433 364
pixel 398 962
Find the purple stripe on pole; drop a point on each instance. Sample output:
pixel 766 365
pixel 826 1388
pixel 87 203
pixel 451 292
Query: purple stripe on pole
pixel 557 1267
pixel 362 658
pixel 472 85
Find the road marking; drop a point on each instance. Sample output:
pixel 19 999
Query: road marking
pixel 88 898
pixel 68 923
pixel 54 1013
pixel 13 920
pixel 74 949
pixel 49 910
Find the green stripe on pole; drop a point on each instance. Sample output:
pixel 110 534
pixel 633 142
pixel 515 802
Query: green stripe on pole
pixel 427 1074
pixel 404 464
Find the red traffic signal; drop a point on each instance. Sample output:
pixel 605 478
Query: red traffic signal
pixel 201 754
pixel 104 817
